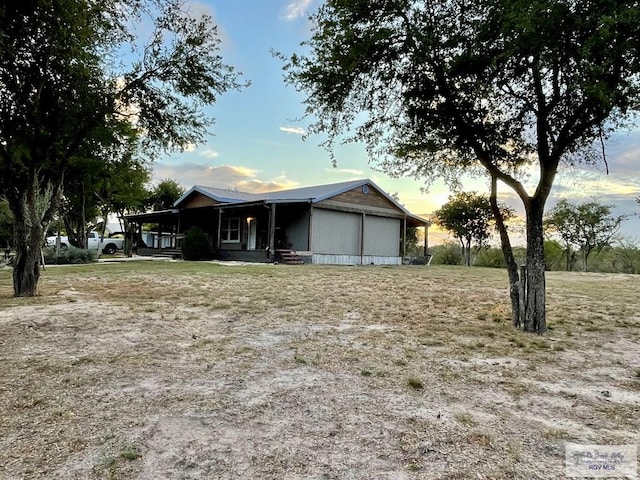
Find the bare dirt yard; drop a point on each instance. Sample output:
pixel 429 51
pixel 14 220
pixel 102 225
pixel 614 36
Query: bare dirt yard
pixel 176 370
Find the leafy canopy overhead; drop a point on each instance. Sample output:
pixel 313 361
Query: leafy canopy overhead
pixel 65 89
pixel 435 86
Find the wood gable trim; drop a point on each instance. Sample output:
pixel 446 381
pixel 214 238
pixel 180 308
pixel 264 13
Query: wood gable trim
pixel 197 200
pixel 365 198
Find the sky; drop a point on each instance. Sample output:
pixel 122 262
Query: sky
pixel 257 141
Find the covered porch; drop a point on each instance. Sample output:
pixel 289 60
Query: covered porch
pixel 163 236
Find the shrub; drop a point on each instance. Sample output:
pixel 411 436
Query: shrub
pixel 490 257
pixel 446 254
pixel 68 255
pixel 195 245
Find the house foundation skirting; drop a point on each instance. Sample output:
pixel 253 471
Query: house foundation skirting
pixel 260 256
pixel 330 259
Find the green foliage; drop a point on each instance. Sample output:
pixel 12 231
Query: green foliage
pixel 68 255
pixel 490 257
pixel 554 255
pixel 446 254
pixel 164 195
pixel 586 227
pixel 622 257
pixel 6 224
pixel 419 68
pixel 91 108
pixel 467 217
pixel 414 245
pixel 195 245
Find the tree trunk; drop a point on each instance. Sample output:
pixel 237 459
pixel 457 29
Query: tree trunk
pixel 535 314
pixel 33 209
pixel 76 223
pixel 507 251
pixel 129 238
pixel 28 236
pixel 466 252
pixel 26 271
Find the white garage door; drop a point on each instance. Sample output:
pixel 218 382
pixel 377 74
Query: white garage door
pixel 381 236
pixel 336 233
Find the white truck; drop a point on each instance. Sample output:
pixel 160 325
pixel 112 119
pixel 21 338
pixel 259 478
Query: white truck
pixel 108 245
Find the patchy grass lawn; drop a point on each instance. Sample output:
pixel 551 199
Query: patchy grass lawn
pixel 195 370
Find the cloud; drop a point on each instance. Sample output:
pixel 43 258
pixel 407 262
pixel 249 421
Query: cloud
pixel 221 176
pixel 345 171
pixel 209 153
pixel 189 174
pixel 587 184
pixel 293 130
pixel 297 9
pixel 623 152
pixel 259 186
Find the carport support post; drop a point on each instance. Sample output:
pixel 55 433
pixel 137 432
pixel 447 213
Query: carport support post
pixel 310 228
pixel 364 216
pixel 272 232
pixel 426 240
pixel 404 237
pixel 219 241
pixel 177 234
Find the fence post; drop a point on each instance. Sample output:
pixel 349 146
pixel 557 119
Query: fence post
pixel 522 295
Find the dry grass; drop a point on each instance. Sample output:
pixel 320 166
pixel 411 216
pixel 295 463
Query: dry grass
pixel 196 370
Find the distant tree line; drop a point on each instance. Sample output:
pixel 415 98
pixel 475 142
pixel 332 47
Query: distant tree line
pixel 578 237
pixel 622 256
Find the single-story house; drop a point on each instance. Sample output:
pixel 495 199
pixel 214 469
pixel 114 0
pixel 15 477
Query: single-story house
pixel 352 222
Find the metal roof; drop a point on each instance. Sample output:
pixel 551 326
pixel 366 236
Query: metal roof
pixel 313 194
pixel 221 195
pixel 316 193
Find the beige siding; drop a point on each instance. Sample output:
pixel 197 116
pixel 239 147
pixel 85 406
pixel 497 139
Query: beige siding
pixel 335 232
pixel 373 198
pixel 356 200
pixel 381 236
pixel 196 200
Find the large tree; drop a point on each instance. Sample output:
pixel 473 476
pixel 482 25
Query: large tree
pixel 436 88
pixel 100 178
pixel 66 90
pixel 467 216
pixel 586 227
pixel 165 194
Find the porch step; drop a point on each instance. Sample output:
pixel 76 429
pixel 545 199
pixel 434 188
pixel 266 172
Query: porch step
pixel 288 257
pixel 174 253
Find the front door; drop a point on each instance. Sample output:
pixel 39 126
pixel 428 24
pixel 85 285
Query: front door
pixel 252 233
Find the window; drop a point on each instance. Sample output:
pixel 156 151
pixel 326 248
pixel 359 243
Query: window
pixel 230 231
